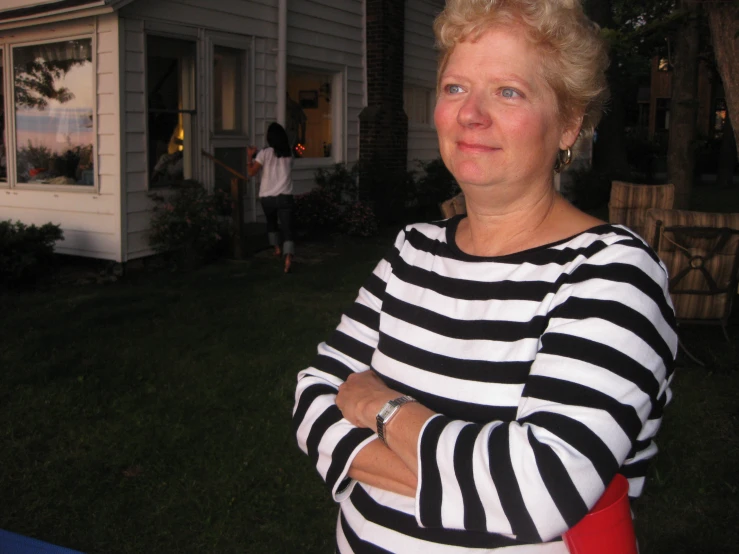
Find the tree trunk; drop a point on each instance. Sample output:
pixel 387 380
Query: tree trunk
pixel 723 19
pixel 684 106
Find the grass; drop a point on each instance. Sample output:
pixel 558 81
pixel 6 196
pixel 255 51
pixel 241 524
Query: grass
pixel 153 415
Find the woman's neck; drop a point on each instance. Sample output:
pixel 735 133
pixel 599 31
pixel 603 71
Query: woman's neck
pixel 496 225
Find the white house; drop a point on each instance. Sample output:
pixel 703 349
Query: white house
pixel 105 101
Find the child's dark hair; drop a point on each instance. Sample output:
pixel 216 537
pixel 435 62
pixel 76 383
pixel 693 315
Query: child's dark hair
pixel 277 139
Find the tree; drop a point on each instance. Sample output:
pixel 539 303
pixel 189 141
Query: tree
pixel 684 104
pixel 723 20
pixel 635 31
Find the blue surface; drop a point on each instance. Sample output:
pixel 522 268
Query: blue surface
pixel 11 543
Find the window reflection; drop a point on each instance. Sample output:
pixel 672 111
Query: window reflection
pixel 227 90
pixel 170 76
pixel 3 139
pixel 53 85
pixel 308 114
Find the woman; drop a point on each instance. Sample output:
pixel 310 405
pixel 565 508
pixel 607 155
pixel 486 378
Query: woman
pixel 276 189
pixel 497 369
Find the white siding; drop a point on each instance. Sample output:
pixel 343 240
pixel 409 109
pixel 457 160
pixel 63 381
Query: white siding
pixel 242 17
pixel 420 71
pixel 328 36
pixel 90 218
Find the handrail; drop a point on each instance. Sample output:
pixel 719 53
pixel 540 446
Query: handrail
pixel 231 170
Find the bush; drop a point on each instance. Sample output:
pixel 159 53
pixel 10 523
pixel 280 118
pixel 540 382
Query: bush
pixel 435 185
pixel 190 223
pixel 317 211
pixel 333 205
pixel 359 220
pixel 26 252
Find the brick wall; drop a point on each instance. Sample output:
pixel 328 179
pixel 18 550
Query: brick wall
pixel 383 140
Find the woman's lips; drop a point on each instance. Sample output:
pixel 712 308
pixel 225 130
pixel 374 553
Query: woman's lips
pixel 475 148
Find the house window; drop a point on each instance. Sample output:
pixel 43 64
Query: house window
pixel 418 105
pixel 228 89
pixel 309 118
pixel 54 105
pixel 3 139
pixel 170 74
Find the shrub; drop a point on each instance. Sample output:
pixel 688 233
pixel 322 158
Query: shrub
pixel 317 210
pixel 26 252
pixel 359 219
pixel 435 185
pixel 189 222
pixel 333 205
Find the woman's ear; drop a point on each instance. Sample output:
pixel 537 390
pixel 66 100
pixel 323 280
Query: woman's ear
pixel 570 133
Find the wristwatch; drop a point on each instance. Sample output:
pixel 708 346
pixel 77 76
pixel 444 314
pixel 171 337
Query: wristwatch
pixel 387 412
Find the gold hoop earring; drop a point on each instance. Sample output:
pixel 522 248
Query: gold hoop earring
pixel 564 158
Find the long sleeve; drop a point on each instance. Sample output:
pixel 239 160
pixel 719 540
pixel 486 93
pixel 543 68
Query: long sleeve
pixel 589 407
pixel 323 434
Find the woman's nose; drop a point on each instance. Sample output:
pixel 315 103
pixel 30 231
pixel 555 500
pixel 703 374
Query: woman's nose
pixel 474 112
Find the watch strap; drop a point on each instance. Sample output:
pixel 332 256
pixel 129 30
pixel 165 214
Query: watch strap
pixel 387 412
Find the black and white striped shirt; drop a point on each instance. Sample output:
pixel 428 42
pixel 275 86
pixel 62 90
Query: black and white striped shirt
pixel 549 370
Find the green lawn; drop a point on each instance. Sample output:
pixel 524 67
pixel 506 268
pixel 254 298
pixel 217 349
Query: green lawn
pixel 153 415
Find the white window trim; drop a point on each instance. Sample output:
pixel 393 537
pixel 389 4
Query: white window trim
pixel 339 126
pixel 7 45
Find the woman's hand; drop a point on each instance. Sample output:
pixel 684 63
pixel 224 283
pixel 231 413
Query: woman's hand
pixel 361 396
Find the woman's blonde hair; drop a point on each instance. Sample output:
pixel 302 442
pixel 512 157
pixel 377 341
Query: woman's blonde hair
pixel 574 57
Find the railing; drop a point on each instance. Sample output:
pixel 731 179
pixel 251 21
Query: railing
pixel 237 204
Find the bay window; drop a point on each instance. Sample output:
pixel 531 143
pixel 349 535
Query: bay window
pixel 53 87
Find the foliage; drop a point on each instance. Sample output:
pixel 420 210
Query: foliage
pixel 358 219
pixel 339 182
pixel 35 79
pixel 435 185
pixel 34 157
pixel 26 252
pixel 188 221
pixel 333 204
pixel 317 210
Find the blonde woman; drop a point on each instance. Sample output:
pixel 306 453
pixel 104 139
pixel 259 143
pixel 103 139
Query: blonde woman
pixel 497 369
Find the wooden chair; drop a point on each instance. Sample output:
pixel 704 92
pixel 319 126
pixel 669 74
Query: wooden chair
pixel 629 203
pixel 701 253
pixel 454 206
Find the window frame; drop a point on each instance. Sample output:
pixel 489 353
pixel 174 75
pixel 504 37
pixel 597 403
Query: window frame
pixel 338 76
pixel 8 46
pixel 195 113
pixel 430 92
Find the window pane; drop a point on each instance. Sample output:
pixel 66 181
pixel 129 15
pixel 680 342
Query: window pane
pixel 3 140
pixel 170 78
pixel 227 90
pixel 417 102
pixel 54 113
pixel 308 114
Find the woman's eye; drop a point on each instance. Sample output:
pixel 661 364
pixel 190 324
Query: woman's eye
pixel 509 93
pixel 453 89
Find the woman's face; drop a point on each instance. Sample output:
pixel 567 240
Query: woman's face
pixel 496 117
